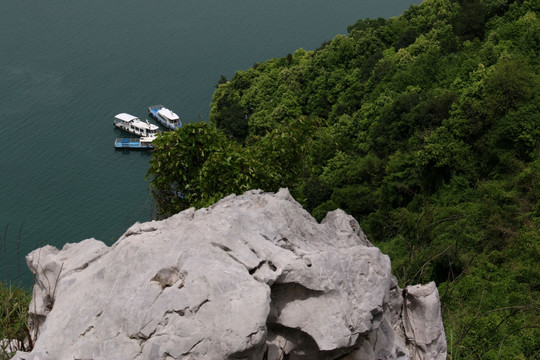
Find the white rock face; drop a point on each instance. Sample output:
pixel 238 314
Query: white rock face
pixel 252 277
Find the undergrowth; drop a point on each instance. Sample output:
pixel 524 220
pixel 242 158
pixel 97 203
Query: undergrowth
pixel 14 331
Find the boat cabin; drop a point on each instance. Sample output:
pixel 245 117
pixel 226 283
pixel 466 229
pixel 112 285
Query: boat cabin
pixel 169 116
pixel 165 117
pixel 134 125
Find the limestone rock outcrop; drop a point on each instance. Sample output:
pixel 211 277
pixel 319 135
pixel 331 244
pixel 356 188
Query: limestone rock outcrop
pixel 252 277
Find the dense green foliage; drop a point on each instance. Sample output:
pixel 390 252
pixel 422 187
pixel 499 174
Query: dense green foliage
pixel 424 127
pixel 198 164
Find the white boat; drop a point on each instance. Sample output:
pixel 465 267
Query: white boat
pixel 135 126
pixel 165 116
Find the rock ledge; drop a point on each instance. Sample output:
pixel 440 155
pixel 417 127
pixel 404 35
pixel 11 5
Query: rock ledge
pixel 252 277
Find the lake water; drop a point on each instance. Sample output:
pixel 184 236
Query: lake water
pixel 67 67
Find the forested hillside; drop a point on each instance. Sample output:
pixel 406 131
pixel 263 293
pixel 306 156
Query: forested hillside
pixel 424 127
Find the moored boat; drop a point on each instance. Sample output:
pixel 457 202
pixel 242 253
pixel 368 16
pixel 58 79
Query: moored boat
pixel 134 125
pixel 165 116
pixel 135 143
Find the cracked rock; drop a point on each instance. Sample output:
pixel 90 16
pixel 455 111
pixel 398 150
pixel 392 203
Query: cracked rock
pixel 167 277
pixel 252 277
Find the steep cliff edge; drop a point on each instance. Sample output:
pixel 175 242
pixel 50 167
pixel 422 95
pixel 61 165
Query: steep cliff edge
pixel 252 277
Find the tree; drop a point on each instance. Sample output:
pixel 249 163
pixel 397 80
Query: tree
pixel 177 161
pixel 227 113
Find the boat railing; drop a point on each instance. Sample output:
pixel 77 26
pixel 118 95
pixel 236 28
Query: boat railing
pixel 127 140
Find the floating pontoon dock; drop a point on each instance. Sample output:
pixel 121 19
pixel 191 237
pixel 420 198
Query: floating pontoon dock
pixel 133 143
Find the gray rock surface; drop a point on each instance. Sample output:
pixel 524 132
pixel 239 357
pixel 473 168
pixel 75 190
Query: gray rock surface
pixel 252 277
